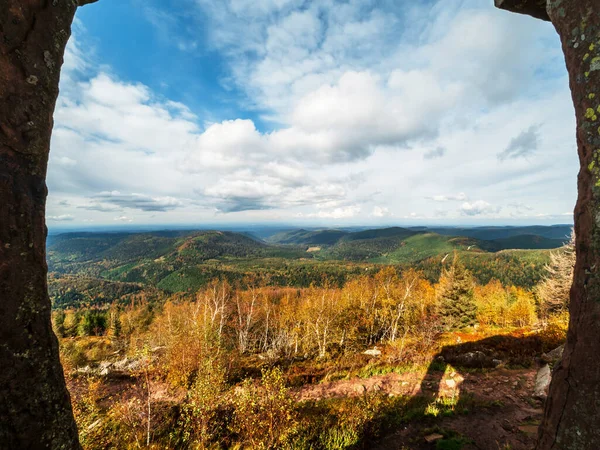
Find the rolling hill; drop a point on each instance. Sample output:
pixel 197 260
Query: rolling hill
pixel 404 245
pixel 84 265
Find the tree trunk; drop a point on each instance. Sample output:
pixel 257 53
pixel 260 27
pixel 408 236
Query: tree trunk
pixel 35 408
pixel 572 415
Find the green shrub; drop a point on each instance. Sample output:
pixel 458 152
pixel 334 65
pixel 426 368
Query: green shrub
pixel 264 413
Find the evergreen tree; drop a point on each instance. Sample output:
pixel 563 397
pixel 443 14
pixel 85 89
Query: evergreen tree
pixel 115 322
pixel 59 323
pixel 92 323
pixel 457 304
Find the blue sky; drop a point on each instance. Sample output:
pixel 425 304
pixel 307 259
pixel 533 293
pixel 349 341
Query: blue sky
pixel 311 112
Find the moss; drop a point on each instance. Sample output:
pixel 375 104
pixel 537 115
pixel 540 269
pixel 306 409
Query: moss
pixel 590 113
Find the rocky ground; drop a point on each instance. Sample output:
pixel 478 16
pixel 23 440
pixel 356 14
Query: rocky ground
pixel 505 415
pixel 493 408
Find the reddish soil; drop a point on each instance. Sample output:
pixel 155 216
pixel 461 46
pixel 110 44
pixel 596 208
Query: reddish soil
pixel 507 418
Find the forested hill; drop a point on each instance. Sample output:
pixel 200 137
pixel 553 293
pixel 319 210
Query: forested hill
pixel 94 268
pixel 374 240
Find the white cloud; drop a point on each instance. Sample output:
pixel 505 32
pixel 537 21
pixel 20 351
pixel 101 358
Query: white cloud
pixel 123 219
pixel 61 218
pixel 374 106
pixel 477 207
pixel 461 196
pixel 345 212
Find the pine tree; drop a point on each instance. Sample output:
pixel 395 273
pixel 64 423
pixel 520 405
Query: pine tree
pixel 59 323
pixel 457 304
pixel 114 322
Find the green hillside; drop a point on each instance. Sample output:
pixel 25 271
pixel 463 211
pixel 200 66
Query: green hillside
pixel 96 268
pixel 422 246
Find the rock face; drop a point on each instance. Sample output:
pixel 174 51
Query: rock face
pixel 572 410
pixel 123 367
pixel 35 408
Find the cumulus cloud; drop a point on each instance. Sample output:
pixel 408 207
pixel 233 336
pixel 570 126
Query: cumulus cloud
pixel 477 208
pixel 352 93
pixel 523 145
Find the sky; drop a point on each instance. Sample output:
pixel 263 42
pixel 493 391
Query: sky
pixel 328 113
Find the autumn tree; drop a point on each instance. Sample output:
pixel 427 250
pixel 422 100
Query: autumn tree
pixel 322 313
pixel 555 288
pixel 492 305
pixel 521 307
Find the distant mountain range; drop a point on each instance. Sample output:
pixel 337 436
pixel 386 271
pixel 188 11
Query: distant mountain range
pixel 375 242
pixel 89 267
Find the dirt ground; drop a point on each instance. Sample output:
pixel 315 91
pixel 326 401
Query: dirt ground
pixel 509 423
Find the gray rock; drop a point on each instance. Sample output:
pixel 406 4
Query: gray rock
pixel 372 352
pixel 542 382
pixel 472 359
pixel 554 356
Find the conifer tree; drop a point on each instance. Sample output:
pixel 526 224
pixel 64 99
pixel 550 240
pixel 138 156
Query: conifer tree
pixel 457 303
pixel 114 322
pixel 59 323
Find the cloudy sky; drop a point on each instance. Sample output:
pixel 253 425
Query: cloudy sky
pixel 322 112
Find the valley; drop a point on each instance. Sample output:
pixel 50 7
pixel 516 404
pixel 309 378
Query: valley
pixel 184 261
